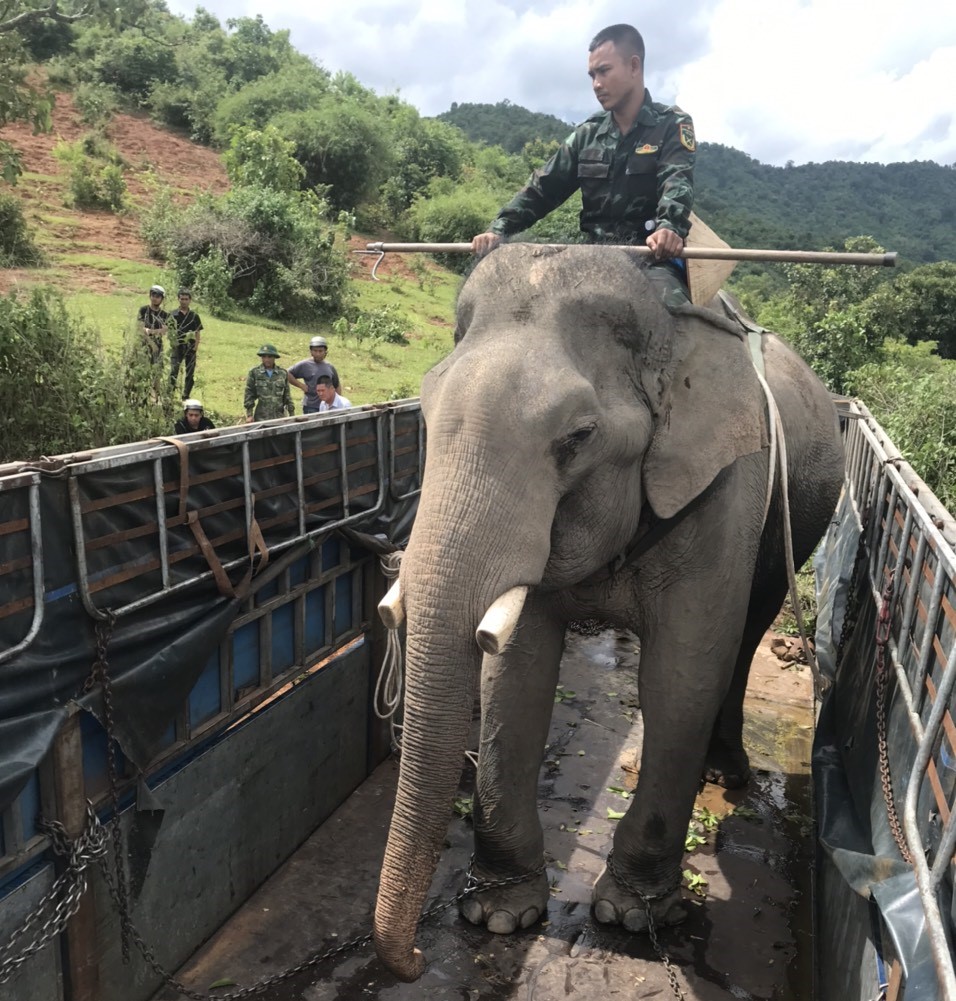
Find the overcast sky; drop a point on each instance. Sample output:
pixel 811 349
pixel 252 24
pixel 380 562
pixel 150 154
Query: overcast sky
pixel 801 80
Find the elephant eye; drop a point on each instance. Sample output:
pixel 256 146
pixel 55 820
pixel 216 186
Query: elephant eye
pixel 567 447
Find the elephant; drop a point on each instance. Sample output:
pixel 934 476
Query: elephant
pixel 590 454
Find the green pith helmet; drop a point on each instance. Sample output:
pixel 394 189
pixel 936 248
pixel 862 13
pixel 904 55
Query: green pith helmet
pixel 268 349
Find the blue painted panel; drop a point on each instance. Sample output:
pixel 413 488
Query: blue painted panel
pixel 245 656
pixel 168 738
pixel 299 571
pixel 315 619
pixel 30 806
pixel 343 603
pixel 331 553
pixel 283 639
pixel 205 700
pixel 268 591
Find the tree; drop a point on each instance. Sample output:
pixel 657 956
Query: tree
pixel 262 159
pixel 918 306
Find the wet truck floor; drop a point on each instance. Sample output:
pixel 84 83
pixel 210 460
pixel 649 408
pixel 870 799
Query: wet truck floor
pixel 747 887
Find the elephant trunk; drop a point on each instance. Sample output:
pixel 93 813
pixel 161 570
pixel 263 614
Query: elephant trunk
pixel 445 598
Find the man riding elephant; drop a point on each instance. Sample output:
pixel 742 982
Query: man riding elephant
pixel 633 162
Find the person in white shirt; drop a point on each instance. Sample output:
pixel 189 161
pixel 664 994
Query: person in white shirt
pixel 329 397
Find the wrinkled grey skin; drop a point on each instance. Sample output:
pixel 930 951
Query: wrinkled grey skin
pixel 573 409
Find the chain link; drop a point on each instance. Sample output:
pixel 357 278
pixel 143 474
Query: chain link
pixel 50 916
pixel 647 899
pixel 883 627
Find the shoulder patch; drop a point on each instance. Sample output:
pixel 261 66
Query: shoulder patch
pixel 686 132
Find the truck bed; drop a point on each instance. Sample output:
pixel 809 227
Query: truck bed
pixel 747 934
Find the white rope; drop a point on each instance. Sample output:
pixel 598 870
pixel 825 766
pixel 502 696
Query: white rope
pixel 391 676
pixel 778 459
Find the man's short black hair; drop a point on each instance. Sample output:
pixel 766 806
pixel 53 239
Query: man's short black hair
pixel 324 380
pixel 627 40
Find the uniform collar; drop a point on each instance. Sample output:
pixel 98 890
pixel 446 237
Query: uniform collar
pixel 646 116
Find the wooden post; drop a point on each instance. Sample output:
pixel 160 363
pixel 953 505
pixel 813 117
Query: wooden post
pixel 80 966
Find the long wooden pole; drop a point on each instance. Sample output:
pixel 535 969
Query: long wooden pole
pixel 886 260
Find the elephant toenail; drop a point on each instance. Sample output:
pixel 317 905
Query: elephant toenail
pixel 502 923
pixel 471 910
pixel 528 917
pixel 635 919
pixel 606 912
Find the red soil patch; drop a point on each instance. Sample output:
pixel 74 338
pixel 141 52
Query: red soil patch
pixel 151 152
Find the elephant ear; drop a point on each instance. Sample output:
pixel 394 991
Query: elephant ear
pixel 711 412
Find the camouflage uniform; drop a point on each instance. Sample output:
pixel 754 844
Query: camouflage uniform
pixel 630 185
pixel 269 395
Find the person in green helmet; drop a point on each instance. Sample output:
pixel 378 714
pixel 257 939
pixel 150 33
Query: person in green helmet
pixel 267 388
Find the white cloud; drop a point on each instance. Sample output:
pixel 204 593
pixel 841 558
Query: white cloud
pixel 802 80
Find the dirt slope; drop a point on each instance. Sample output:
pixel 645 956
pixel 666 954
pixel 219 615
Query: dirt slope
pixel 153 154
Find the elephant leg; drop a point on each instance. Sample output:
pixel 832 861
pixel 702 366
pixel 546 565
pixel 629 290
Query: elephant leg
pixel 686 668
pixel 517 696
pixel 727 763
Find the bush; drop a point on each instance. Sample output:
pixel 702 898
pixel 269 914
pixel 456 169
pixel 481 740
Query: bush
pixel 96 173
pixel 211 280
pixel 96 102
pixel 59 389
pixel 159 221
pixel 383 325
pixel 278 248
pixel 451 218
pixel 17 248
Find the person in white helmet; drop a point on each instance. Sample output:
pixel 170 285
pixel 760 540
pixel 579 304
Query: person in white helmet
pixel 193 419
pixel 306 373
pixel 152 323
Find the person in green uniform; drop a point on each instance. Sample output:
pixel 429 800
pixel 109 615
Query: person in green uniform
pixel 267 388
pixel 633 162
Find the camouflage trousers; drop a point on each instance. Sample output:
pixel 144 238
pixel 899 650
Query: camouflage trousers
pixel 670 283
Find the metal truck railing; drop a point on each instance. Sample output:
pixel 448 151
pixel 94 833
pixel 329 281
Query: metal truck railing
pixel 911 570
pixel 126 516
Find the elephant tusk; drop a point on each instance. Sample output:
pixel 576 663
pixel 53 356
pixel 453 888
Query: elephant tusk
pixel 390 609
pixel 496 627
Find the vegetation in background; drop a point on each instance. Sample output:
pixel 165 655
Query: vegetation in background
pixel 96 172
pixel 17 246
pixel 60 391
pixel 504 124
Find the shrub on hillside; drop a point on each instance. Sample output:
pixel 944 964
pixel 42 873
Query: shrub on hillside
pixel 450 218
pixel 385 325
pixel 17 248
pixel 96 102
pixel 60 391
pixel 96 173
pixel 278 247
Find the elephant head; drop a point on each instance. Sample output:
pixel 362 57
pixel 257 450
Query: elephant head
pixel 572 399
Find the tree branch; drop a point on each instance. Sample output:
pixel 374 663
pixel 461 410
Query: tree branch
pixel 52 13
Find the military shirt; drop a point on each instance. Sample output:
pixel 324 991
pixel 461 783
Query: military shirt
pixel 630 185
pixel 269 395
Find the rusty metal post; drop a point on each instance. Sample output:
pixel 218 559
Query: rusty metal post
pixel 80 965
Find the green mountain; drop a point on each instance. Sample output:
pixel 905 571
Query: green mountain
pixel 906 207
pixel 504 124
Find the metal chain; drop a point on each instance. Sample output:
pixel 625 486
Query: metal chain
pixel 647 899
pixel 472 885
pixel 62 900
pixel 883 626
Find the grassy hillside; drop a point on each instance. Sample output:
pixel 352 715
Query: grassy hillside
pixel 98 260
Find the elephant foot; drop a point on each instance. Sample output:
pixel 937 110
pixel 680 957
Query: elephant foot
pixel 505 909
pixel 616 906
pixel 726 766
